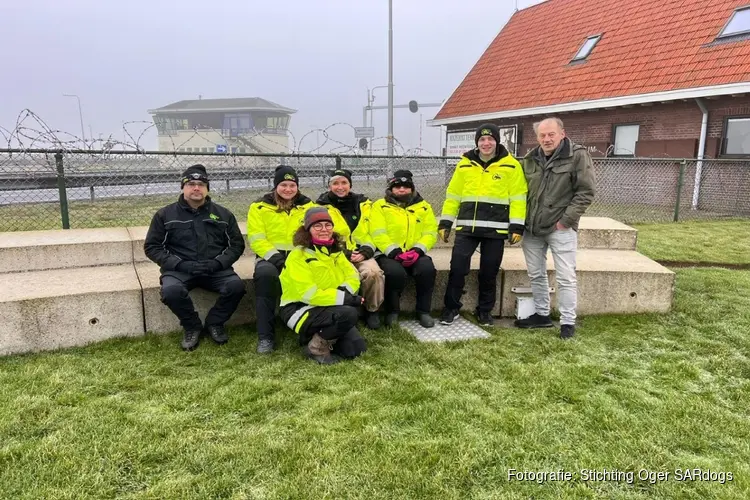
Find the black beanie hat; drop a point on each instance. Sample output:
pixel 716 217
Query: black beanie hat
pixel 284 173
pixel 194 173
pixel 401 178
pixel 340 172
pixel 487 129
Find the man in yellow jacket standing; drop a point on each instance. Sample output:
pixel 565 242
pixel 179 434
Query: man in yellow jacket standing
pixel 485 204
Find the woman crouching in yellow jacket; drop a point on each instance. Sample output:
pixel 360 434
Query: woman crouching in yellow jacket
pixel 319 299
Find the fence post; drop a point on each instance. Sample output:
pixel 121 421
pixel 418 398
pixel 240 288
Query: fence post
pixel 61 190
pixel 338 162
pixel 680 181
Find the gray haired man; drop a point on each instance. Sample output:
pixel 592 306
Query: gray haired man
pixel 560 177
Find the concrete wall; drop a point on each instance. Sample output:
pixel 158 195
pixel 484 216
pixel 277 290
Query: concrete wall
pixel 208 139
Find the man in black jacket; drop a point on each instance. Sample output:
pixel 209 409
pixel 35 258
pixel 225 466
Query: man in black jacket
pixel 196 241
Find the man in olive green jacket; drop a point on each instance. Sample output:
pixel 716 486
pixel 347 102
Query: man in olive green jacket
pixel 560 177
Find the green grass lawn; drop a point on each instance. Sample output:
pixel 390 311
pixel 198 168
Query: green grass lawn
pixel 138 418
pixel 717 241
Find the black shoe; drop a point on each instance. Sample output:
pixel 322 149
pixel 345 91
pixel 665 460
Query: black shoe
pixel 391 319
pixel 534 321
pixel 372 320
pixel 190 339
pixel 218 334
pixel 484 318
pixel 567 331
pixel 265 346
pixel 425 320
pixel 449 316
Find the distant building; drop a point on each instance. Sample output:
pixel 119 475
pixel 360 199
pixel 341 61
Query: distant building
pixel 241 125
pixel 661 78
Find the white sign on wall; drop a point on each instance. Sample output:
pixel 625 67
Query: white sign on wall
pixel 461 141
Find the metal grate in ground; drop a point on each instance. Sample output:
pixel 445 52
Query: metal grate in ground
pixel 461 329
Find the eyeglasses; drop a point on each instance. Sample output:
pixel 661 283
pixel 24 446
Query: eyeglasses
pixel 195 184
pixel 320 226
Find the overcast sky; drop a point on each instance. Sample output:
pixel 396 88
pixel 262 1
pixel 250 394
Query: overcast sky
pixel 319 57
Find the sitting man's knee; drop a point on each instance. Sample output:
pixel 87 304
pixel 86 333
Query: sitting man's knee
pixel 347 314
pixel 171 293
pixel 234 287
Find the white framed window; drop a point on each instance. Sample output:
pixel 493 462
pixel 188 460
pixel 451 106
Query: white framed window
pixel 736 136
pixel 738 23
pixel 586 48
pixel 626 137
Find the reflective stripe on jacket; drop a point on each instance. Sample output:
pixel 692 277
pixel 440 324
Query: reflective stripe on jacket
pixel 486 200
pixel 270 230
pixel 394 229
pixel 312 277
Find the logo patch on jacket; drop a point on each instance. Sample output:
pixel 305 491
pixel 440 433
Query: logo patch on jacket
pixel 213 217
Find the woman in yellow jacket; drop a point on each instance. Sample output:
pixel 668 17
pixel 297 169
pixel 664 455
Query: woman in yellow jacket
pixel 350 213
pixel 271 223
pixel 404 229
pixel 320 286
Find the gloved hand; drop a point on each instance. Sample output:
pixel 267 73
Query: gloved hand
pixel 278 260
pixel 514 238
pixel 444 234
pixel 408 259
pixel 353 300
pixel 192 267
pixel 212 265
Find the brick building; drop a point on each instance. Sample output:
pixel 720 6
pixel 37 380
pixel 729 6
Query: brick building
pixel 649 78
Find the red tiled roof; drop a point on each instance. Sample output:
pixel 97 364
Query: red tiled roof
pixel 647 46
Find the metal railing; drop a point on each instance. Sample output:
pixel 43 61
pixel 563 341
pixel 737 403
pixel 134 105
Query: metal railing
pixel 49 189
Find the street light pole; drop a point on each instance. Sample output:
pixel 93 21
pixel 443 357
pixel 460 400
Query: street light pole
pixel 80 115
pixel 390 77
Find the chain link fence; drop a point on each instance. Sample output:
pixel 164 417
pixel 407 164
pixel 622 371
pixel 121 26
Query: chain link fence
pixel 46 189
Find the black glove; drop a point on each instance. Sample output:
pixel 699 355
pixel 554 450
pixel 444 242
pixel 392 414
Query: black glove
pixel 394 253
pixel 212 265
pixel 352 300
pixel 278 260
pixel 366 252
pixel 192 267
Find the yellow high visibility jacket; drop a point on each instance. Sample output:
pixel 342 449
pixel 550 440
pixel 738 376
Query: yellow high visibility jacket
pixel 360 237
pixel 394 229
pixel 486 200
pixel 269 230
pixel 312 277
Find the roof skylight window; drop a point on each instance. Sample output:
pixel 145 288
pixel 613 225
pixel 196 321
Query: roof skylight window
pixel 586 48
pixel 738 24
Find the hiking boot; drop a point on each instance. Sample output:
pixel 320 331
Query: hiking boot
pixel 218 334
pixel 319 349
pixel 484 318
pixel 425 320
pixel 190 339
pixel 534 321
pixel 265 346
pixel 567 331
pixel 391 319
pixel 372 320
pixel 449 316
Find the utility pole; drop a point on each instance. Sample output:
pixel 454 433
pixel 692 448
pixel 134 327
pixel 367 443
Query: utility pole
pixel 390 77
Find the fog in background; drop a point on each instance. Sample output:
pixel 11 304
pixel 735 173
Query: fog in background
pixel 319 57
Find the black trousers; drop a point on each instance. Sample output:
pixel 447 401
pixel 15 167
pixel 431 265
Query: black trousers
pixel 332 323
pixel 489 265
pixel 267 296
pixel 396 274
pixel 174 293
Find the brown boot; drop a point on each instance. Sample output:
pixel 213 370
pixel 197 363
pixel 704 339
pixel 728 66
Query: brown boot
pixel 319 349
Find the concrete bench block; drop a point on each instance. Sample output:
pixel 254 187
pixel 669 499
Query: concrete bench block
pixel 609 282
pixel 61 249
pixel 44 310
pixel 158 317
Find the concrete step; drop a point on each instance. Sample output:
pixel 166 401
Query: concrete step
pixel 609 282
pixel 61 249
pixel 45 310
